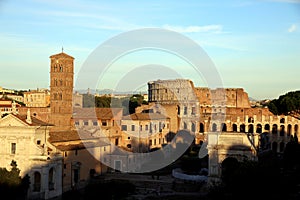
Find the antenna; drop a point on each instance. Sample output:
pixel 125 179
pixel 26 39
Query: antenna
pixel 62 49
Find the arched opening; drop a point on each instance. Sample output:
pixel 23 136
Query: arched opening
pixel 296 129
pixel 267 127
pixel 281 130
pixel 250 120
pixel 242 128
pixel 229 167
pixel 201 128
pixel 282 120
pixel 234 127
pixel 224 127
pixel 258 128
pixel 214 127
pixel 36 182
pixel 274 129
pixel 250 128
pixel 289 130
pixel 264 141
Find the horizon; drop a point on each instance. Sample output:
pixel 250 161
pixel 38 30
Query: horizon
pixel 252 44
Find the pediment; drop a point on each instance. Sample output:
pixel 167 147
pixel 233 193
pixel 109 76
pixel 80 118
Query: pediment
pixel 11 120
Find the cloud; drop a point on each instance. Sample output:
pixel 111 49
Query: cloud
pixel 292 28
pixel 194 29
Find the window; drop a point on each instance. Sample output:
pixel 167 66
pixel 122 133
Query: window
pixel 13 148
pixel 76 152
pixel 51 179
pixel 185 110
pixel 104 123
pixel 77 123
pixel 38 142
pixel 95 123
pixel 193 110
pixel 124 127
pixel 86 123
pixel 146 127
pixel 132 128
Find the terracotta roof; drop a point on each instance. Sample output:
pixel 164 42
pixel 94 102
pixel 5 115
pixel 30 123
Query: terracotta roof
pixel 82 145
pixel 62 54
pixel 145 116
pixel 99 113
pixel 34 121
pixel 70 135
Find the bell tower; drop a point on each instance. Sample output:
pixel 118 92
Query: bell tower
pixel 61 90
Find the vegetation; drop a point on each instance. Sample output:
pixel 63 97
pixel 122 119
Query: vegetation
pixel 12 185
pixel 270 177
pixel 127 103
pixel 288 103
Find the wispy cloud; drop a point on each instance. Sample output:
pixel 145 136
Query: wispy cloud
pixel 292 28
pixel 195 29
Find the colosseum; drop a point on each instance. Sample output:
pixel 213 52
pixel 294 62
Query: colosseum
pixel 203 110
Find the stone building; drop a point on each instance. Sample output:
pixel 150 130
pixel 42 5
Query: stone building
pixel 144 131
pixel 204 110
pixel 24 139
pixel 37 98
pixel 61 90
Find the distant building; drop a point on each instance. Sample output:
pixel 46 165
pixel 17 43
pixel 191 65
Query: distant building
pixel 149 129
pixel 37 98
pixel 77 100
pixel 8 106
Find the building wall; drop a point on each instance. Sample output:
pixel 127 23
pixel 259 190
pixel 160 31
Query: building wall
pixel 61 90
pixel 31 155
pixel 37 98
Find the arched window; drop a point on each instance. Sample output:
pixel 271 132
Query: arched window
pixel 37 182
pixel 282 120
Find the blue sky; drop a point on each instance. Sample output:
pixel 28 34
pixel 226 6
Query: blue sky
pixel 254 44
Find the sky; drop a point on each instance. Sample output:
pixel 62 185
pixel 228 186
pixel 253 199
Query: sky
pixel 251 44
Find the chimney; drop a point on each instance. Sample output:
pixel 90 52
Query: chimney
pixel 28 118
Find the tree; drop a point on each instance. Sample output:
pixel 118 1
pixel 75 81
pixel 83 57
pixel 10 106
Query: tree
pixel 11 184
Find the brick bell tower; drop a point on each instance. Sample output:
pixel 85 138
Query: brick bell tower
pixel 61 90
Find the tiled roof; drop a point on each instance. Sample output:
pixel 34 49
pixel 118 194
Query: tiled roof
pixel 34 121
pixel 81 145
pixel 145 116
pixel 99 113
pixel 70 135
